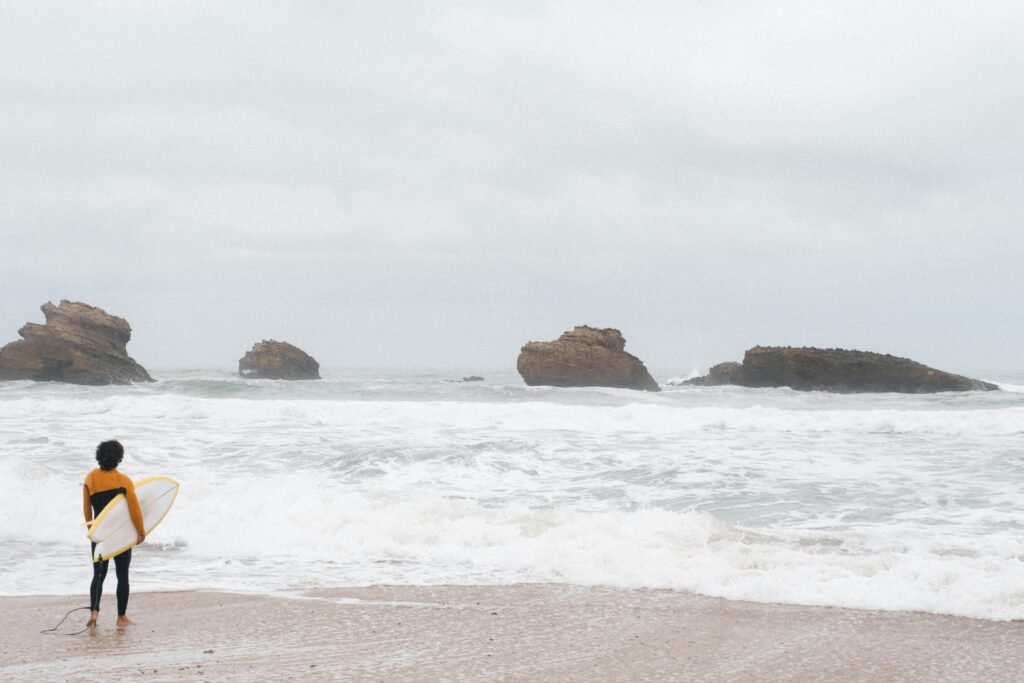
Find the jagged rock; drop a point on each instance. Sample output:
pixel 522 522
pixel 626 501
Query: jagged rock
pixel 584 357
pixel 79 344
pixel 271 359
pixel 838 370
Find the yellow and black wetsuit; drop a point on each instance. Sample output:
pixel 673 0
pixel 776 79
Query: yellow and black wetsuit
pixel 101 486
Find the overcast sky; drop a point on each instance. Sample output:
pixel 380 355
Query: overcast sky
pixel 434 184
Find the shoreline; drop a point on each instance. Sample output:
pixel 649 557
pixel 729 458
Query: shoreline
pixel 322 593
pixel 515 632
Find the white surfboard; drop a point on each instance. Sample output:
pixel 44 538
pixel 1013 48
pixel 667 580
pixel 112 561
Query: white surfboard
pixel 113 532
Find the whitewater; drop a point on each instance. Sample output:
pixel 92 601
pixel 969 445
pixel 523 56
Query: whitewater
pixel 887 501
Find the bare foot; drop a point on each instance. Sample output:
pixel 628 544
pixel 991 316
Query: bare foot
pixel 123 621
pixel 93 618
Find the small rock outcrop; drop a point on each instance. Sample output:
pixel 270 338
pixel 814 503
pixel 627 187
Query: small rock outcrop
pixel 271 359
pixel 584 357
pixel 837 370
pixel 723 373
pixel 78 344
pixel 473 378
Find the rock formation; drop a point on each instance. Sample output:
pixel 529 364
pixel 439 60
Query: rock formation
pixel 271 359
pixel 838 370
pixel 723 373
pixel 80 344
pixel 473 378
pixel 584 357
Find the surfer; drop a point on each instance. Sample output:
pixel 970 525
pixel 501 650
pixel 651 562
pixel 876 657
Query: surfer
pixel 101 486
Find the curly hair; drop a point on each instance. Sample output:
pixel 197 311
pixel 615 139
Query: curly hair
pixel 109 454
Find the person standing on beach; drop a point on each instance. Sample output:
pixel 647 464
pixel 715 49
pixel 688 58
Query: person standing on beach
pixel 101 486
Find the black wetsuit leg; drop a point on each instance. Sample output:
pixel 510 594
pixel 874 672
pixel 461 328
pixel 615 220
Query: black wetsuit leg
pixel 99 573
pixel 121 563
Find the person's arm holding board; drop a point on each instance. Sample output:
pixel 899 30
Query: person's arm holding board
pixel 134 510
pixel 86 503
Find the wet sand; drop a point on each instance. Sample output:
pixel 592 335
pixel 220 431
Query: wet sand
pixel 506 633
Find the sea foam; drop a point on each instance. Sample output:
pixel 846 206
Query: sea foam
pixel 901 503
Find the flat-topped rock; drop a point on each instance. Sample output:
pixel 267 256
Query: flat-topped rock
pixel 271 359
pixel 78 344
pixel 584 357
pixel 837 370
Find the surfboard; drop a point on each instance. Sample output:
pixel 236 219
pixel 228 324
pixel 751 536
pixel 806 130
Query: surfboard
pixel 113 532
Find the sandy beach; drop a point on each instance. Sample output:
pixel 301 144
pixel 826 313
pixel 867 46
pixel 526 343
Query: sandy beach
pixel 499 633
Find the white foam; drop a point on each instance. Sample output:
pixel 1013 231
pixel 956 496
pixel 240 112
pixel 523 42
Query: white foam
pixel 251 532
pixel 891 504
pixel 650 419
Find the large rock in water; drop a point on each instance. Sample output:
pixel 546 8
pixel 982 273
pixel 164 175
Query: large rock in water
pixel 584 357
pixel 271 359
pixel 80 344
pixel 838 370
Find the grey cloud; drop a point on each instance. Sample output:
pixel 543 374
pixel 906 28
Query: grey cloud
pixel 704 176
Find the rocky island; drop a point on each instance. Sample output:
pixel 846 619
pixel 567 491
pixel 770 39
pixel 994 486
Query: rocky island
pixel 837 370
pixel 584 357
pixel 78 344
pixel 271 359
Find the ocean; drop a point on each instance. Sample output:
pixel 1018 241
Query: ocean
pixel 884 501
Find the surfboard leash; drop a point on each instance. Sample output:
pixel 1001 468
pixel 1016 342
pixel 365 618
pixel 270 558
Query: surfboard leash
pixel 51 631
